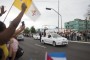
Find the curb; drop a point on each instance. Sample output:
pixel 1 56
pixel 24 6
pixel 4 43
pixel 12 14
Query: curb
pixel 80 42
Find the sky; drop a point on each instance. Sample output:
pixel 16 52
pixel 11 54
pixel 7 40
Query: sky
pixel 69 9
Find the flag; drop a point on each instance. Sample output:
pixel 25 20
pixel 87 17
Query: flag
pixel 47 57
pixel 31 10
pixel 55 56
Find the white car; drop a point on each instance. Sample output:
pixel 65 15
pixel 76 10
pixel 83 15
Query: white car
pixel 36 36
pixel 54 39
pixel 20 37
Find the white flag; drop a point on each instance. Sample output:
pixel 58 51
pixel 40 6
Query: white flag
pixel 31 11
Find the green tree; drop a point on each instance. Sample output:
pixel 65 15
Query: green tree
pixel 33 29
pixel 27 30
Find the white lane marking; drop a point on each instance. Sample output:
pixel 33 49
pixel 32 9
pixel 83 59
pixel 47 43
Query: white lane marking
pixel 40 45
pixel 80 42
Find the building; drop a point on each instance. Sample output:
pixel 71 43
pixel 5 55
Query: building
pixel 78 25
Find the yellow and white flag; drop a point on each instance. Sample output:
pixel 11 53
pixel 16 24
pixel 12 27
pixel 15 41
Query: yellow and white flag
pixel 31 11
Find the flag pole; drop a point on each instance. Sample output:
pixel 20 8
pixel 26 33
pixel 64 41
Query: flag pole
pixel 46 55
pixel 8 11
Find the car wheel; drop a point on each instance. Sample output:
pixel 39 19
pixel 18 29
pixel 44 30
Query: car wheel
pixel 54 43
pixel 43 42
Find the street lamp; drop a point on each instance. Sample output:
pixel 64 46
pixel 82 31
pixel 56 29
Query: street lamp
pixel 58 18
pixel 86 29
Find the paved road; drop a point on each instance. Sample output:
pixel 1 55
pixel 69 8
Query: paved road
pixel 34 50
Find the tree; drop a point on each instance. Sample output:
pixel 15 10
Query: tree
pixel 33 29
pixel 27 30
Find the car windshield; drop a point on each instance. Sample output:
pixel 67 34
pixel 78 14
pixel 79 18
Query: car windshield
pixel 55 36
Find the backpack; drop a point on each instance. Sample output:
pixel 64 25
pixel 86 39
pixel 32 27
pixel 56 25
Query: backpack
pixel 19 52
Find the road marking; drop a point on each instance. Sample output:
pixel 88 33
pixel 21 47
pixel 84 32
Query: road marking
pixel 80 42
pixel 40 45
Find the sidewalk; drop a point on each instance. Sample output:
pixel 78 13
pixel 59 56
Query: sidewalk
pixel 88 42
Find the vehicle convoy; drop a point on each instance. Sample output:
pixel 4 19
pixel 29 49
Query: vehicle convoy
pixel 54 39
pixel 36 37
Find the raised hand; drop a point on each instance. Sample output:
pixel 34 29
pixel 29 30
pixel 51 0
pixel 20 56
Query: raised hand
pixel 23 6
pixel 2 11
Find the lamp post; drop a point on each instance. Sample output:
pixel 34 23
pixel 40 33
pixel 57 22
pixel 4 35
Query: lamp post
pixel 58 16
pixel 86 29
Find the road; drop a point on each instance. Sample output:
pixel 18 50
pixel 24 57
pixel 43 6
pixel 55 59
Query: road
pixel 34 50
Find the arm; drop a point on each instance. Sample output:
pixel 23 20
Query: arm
pixel 19 30
pixel 7 33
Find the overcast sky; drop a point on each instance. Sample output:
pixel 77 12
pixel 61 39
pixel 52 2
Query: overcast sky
pixel 69 9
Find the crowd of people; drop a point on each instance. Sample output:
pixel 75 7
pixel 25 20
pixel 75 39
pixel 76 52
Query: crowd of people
pixel 73 35
pixel 76 36
pixel 8 41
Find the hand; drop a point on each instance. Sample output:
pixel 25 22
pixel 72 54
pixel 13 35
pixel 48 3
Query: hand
pixel 23 23
pixel 22 27
pixel 23 6
pixel 2 11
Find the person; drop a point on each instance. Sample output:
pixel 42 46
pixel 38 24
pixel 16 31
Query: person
pixel 13 44
pixel 6 33
pixel 40 34
pixel 44 32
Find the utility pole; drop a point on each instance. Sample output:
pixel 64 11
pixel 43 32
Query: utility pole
pixel 86 30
